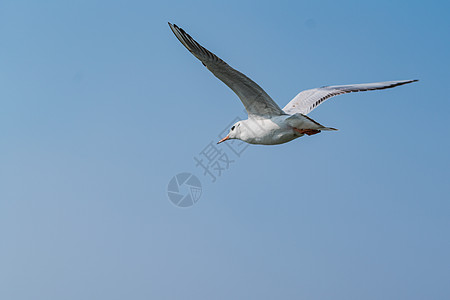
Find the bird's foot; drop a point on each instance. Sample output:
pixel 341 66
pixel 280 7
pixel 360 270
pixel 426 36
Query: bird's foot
pixel 307 131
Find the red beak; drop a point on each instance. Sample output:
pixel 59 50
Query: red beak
pixel 224 139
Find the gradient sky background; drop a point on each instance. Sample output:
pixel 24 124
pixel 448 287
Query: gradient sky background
pixel 101 106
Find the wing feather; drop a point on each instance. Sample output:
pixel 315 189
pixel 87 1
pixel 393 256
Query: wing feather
pixel 306 101
pixel 256 101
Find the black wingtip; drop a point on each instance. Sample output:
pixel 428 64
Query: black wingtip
pixel 411 81
pixel 172 25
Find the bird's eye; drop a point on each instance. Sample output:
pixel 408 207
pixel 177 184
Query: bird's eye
pixel 232 128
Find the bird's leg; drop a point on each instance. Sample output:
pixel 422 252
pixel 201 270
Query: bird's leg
pixel 307 131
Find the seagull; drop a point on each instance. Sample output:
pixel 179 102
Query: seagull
pixel 267 123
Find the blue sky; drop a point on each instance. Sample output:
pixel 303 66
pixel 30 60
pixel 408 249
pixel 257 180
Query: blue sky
pixel 101 106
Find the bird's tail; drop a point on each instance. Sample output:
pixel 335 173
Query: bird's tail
pixel 329 129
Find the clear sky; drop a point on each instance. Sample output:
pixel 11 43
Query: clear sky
pixel 100 106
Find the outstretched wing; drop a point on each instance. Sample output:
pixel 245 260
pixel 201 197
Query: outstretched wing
pixel 307 101
pixel 255 99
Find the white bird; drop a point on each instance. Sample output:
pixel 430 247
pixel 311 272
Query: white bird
pixel 267 123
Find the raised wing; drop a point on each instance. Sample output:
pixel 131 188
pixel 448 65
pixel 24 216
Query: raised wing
pixel 307 101
pixel 255 99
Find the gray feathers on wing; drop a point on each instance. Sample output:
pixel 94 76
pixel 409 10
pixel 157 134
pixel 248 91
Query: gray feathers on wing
pixel 256 101
pixel 306 101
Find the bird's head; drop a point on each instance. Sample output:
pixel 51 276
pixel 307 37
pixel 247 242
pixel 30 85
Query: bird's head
pixel 234 133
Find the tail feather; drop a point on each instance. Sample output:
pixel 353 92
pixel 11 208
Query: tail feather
pixel 329 129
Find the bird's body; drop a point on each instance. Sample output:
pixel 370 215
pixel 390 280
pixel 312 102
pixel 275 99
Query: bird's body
pixel 267 123
pixel 267 131
pixel 277 130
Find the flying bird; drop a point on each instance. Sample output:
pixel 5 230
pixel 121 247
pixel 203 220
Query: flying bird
pixel 267 123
